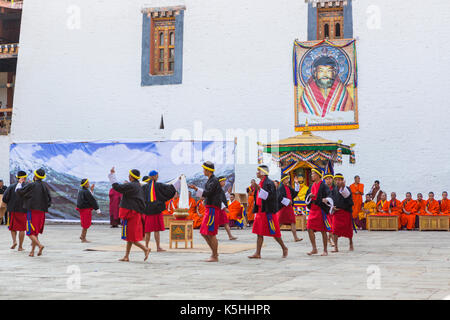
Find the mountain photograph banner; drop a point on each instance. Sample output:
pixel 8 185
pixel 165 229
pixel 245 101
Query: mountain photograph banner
pixel 66 164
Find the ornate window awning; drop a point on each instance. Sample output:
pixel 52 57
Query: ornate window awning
pixel 163 12
pixel 11 4
pixel 328 3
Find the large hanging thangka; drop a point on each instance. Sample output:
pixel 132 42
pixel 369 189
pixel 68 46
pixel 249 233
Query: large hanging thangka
pixel 325 80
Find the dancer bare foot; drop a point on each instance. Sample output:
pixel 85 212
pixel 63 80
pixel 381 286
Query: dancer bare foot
pixel 14 246
pixel 312 252
pixel 85 241
pixel 147 252
pixel 160 250
pixel 351 248
pixel 325 253
pixel 255 256
pixel 298 239
pixel 40 251
pixel 31 254
pixel 335 250
pixel 20 249
pixel 212 259
pixel 125 259
pixel 233 238
pixel 285 253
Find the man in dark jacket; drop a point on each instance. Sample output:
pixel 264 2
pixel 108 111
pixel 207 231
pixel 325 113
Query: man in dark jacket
pixel 265 209
pixel 36 200
pixel 18 215
pixel 85 204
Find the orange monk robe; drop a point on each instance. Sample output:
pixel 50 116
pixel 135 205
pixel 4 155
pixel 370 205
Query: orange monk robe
pixel 357 192
pixel 234 210
pixel 193 214
pixel 371 207
pixel 166 212
pixel 420 207
pixel 408 220
pixel 445 206
pixel 250 204
pixel 396 210
pixel 433 207
pixel 380 208
pixel 173 205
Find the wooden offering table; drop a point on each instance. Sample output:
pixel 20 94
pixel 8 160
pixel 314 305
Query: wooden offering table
pixel 388 223
pixel 300 223
pixel 434 223
pixel 167 218
pixel 181 231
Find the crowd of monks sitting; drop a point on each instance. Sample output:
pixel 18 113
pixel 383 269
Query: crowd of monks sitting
pixel 376 203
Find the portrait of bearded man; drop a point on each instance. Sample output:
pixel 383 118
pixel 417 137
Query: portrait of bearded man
pixel 325 92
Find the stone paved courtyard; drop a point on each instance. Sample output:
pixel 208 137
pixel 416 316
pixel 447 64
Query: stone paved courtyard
pixel 410 265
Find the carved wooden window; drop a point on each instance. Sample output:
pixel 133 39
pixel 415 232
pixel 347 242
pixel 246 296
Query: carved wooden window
pixel 330 22
pixel 163 40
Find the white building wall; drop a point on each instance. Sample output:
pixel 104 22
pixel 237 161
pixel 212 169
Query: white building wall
pixel 84 83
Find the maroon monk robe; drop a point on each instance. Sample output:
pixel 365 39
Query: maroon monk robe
pixel 114 202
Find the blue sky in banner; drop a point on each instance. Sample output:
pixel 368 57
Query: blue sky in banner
pixel 94 160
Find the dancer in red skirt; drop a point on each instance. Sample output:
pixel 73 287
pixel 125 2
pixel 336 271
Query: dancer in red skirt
pixel 286 215
pixel 36 200
pixel 266 219
pixel 342 222
pixel 213 202
pixel 18 215
pixel 328 178
pixel 318 211
pixel 85 204
pixel 223 218
pixel 131 207
pixel 155 195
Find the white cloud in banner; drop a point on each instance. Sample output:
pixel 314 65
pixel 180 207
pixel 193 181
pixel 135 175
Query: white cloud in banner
pixel 24 159
pixel 97 165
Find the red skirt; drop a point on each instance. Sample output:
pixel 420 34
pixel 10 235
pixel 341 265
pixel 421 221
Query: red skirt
pixel 286 215
pixel 261 225
pixel 18 221
pixel 342 224
pixel 209 212
pixel 315 219
pixel 134 231
pixel 35 222
pixel 223 218
pixel 153 222
pixel 85 217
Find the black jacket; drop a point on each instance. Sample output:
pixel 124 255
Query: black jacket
pixel 133 195
pixel 163 193
pixel 213 192
pixel 36 196
pixel 281 193
pixel 3 189
pixel 86 200
pixel 340 202
pixel 269 205
pixel 13 200
pixel 324 192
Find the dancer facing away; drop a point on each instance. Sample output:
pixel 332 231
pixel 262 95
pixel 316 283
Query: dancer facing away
pixel 213 202
pixel 132 206
pixel 265 209
pixel 156 194
pixel 223 218
pixel 18 215
pixel 318 217
pixel 342 222
pixel 286 215
pixel 85 204
pixel 36 199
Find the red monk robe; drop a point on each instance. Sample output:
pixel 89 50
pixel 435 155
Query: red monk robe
pixel 396 209
pixel 408 220
pixel 380 208
pixel 357 193
pixel 114 203
pixel 193 214
pixel 433 207
pixel 250 204
pixel 234 210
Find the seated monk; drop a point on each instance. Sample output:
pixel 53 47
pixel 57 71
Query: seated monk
pixel 420 205
pixel 200 210
pixel 380 205
pixel 408 216
pixel 369 208
pixel 445 204
pixel 234 209
pixel 251 201
pixel 394 208
pixel 173 203
pixel 432 207
pixel 193 214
